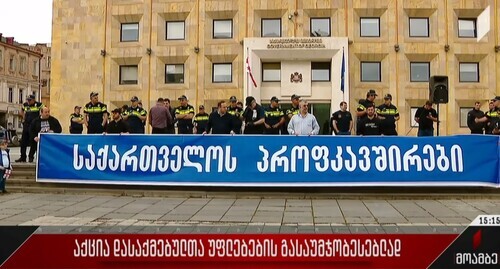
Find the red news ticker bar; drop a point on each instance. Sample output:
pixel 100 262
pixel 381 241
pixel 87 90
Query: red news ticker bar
pixel 230 250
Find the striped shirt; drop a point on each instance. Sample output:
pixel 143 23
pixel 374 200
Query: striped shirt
pixel 303 125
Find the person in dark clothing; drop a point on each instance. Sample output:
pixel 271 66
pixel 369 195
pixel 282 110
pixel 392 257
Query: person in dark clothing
pixel 237 112
pixel 96 115
pixel 274 117
pixel 171 124
pixel 220 122
pixel 341 122
pixel 475 113
pixel 363 104
pixel 200 120
pixel 426 116
pixel 30 111
pixel 389 114
pixel 370 125
pixel 492 117
pixel 254 117
pixel 76 121
pixel 44 124
pixel 184 115
pixel 135 116
pixel 294 110
pixel 117 125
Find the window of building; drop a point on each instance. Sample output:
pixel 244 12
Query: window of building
pixel 467 28
pixel 320 27
pixel 49 60
pixel 223 29
pixel 271 71
pixel 320 71
pixel 469 72
pixel 370 71
pixel 222 73
pixel 174 73
pixel 22 66
pixel 1 59
pixel 128 74
pixel 271 28
pixel 370 27
pixel 35 68
pixel 11 95
pixel 175 30
pixel 419 27
pixel 413 111
pixel 12 63
pixel 21 97
pixel 129 32
pixel 463 116
pixel 419 72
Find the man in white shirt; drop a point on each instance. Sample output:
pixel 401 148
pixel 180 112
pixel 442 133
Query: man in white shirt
pixel 303 123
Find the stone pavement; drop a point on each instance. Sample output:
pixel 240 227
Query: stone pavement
pixel 255 215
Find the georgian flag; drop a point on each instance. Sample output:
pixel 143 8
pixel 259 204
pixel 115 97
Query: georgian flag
pixel 249 70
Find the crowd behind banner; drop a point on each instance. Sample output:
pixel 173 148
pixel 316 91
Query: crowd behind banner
pixel 236 117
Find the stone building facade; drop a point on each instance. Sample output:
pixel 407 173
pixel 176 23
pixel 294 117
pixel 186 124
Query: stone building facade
pixel 19 77
pixel 167 48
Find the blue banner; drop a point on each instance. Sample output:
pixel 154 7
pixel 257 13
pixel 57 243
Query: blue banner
pixel 469 160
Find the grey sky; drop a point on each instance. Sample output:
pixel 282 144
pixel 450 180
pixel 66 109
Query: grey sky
pixel 28 21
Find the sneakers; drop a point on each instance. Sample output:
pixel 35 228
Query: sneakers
pixel 30 160
pixel 20 160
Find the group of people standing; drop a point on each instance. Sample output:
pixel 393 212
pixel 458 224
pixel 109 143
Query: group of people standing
pixel 381 120
pixel 229 118
pixel 233 117
pixel 488 122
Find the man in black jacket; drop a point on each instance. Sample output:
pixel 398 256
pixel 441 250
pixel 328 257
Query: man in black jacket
pixel 44 124
pixel 475 113
pixel 221 122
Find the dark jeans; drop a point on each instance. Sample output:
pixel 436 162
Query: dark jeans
pixel 2 180
pixel 95 129
pixel 25 142
pixel 159 130
pixel 185 129
pixel 427 132
pixel 344 133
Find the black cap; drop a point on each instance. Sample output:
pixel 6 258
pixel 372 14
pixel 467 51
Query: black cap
pixel 388 96
pixel 249 100
pixel 275 99
pixel 182 97
pixel 134 99
pixel 77 107
pixel 497 98
pixel 116 110
pixel 31 97
pixel 92 94
pixel 371 92
pixel 233 99
pixel 295 97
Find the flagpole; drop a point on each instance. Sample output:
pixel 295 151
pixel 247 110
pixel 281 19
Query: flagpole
pixel 248 75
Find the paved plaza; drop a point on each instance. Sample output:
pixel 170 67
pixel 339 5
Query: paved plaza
pixel 253 215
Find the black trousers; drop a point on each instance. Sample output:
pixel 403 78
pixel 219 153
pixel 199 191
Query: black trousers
pixel 25 142
pixel 159 130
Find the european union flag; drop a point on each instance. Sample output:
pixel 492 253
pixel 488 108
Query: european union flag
pixel 342 72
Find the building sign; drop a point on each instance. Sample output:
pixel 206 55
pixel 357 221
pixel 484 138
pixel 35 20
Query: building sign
pixel 296 43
